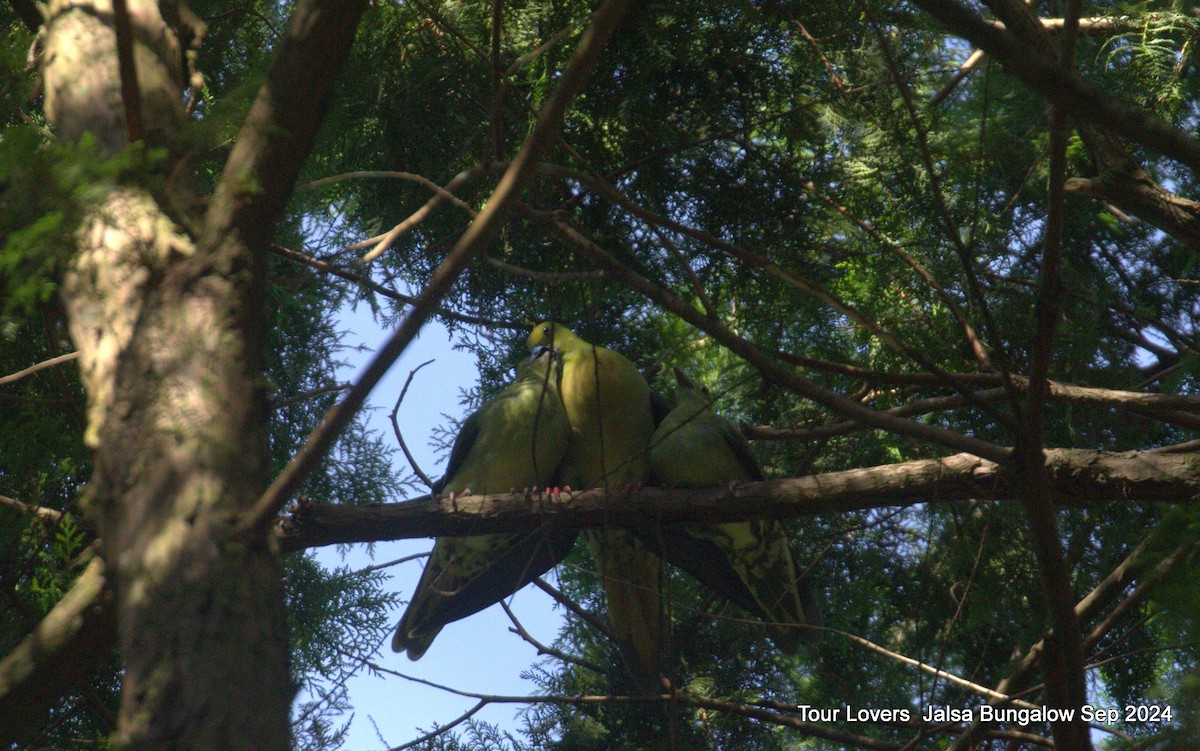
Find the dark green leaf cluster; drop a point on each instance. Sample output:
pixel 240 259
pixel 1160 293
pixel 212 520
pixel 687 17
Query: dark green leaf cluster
pixel 44 189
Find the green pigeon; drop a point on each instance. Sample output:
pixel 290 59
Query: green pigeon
pixel 516 440
pixel 608 405
pixel 747 562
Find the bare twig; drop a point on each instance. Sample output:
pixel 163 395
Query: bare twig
pixel 14 377
pixel 749 257
pixel 571 605
pixel 396 562
pixel 391 294
pixel 1172 408
pixel 443 729
pixel 542 649
pixel 982 690
pixel 382 242
pixel 412 462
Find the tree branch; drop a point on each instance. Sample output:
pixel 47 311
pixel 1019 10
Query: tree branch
pixel 59 653
pixel 1075 477
pixel 390 294
pixel 48 515
pixel 1067 89
pixel 412 461
pixel 279 131
pixel 1087 608
pixel 14 377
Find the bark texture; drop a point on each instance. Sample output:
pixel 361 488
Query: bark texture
pixel 1074 477
pixel 166 312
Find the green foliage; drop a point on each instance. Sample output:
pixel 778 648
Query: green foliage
pixel 334 617
pixel 45 189
pixel 55 564
pixel 832 151
pixel 478 736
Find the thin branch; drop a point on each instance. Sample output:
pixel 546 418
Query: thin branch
pixel 1086 25
pixel 542 649
pixel 959 314
pixel 963 71
pixel 1080 98
pixel 310 394
pixel 470 244
pixel 749 257
pixel 260 173
pixel 14 377
pixel 821 432
pixel 744 710
pixel 574 607
pixel 1139 594
pixel 834 77
pixel 546 277
pixel 949 229
pixel 1104 592
pixel 689 272
pixel 391 294
pixel 772 371
pixel 451 29
pixel 443 729
pixel 441 193
pixel 1170 408
pixel 49 515
pixel 963 682
pixel 541 49
pixel 395 562
pixel 412 462
pixel 77 632
pixel 778 718
pixel 870 375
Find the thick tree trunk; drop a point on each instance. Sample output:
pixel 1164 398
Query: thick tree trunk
pixel 171 362
pixel 176 422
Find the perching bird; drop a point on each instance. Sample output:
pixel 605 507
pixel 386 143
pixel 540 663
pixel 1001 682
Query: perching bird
pixel 515 440
pixel 747 562
pixel 608 405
